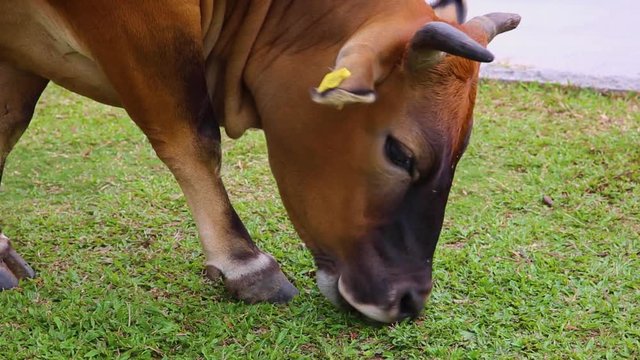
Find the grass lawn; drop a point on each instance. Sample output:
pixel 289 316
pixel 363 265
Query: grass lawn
pixel 86 201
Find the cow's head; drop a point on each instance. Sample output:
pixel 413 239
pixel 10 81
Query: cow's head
pixel 365 170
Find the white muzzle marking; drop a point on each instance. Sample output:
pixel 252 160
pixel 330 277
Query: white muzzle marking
pixel 370 311
pixel 328 285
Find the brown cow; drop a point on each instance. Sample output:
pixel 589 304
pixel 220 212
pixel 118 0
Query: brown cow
pixel 365 184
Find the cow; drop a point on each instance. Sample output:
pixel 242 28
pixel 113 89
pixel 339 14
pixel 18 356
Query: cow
pixel 366 106
pixel 450 9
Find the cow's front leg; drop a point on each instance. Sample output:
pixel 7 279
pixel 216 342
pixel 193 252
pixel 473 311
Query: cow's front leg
pixel 249 273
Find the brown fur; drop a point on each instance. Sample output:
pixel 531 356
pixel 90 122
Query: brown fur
pixel 180 74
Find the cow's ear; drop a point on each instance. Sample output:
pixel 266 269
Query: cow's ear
pixel 365 59
pixel 353 79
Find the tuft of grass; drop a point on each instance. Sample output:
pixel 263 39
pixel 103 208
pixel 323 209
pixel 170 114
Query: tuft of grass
pixel 85 200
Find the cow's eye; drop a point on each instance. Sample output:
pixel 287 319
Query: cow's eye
pixel 399 155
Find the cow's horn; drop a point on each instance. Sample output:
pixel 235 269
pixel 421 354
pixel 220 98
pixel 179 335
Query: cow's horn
pixel 495 23
pixel 436 38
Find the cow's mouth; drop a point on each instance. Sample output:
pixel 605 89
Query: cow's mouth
pixel 401 305
pixel 377 313
pixel 335 290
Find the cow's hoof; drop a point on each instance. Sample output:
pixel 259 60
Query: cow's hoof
pixel 212 273
pixel 276 289
pixel 7 279
pixel 12 266
pixel 267 284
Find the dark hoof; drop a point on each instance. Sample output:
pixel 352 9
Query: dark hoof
pixel 212 273
pixel 12 266
pixel 285 294
pixel 7 279
pixel 267 285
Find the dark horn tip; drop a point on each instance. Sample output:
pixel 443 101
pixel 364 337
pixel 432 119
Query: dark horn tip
pixel 486 58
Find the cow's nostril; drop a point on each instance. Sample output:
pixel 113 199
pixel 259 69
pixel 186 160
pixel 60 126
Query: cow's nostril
pixel 411 304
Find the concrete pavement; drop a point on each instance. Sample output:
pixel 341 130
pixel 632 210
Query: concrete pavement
pixel 585 43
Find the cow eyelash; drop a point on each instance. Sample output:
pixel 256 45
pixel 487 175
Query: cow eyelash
pixel 399 155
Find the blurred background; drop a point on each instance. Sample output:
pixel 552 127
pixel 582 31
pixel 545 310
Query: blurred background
pixel 581 42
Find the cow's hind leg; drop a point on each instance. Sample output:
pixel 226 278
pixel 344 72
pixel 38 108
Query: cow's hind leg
pixel 19 92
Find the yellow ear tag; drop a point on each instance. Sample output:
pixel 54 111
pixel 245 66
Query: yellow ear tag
pixel 333 79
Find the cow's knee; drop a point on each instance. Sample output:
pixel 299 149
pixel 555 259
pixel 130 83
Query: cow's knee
pixel 187 159
pixel 193 143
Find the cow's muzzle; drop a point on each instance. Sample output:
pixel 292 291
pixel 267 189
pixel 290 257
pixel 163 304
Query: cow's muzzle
pixel 403 300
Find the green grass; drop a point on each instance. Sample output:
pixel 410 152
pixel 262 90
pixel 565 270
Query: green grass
pixel 120 268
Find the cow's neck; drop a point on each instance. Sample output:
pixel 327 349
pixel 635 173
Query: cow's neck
pixel 229 31
pixel 234 31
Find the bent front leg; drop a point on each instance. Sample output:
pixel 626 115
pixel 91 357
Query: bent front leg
pixel 190 147
pixel 249 273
